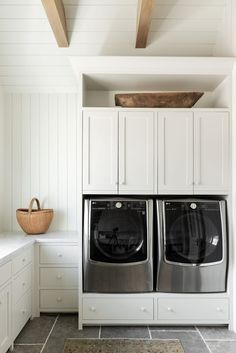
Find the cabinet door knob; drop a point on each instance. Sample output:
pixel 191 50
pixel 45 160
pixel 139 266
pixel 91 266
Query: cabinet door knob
pixel 23 284
pixel 92 308
pixel 143 309
pixel 23 312
pixel 170 309
pixel 219 309
pixel 59 276
pixel 59 299
pixel 23 260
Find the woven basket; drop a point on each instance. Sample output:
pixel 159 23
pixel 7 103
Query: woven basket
pixel 34 221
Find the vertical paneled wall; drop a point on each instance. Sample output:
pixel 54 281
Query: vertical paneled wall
pixel 1 158
pixel 41 140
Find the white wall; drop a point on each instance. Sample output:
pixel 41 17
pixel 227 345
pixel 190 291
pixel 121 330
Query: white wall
pixel 1 158
pixel 41 155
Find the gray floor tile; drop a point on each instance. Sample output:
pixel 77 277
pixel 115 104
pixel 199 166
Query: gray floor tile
pixel 172 328
pixel 27 349
pixel 36 330
pixel 67 327
pixel 217 333
pixel 222 347
pixel 191 341
pixel 124 332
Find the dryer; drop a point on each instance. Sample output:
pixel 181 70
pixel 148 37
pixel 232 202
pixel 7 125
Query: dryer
pixel 192 246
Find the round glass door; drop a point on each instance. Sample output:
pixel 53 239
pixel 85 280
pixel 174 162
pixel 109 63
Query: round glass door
pixel 194 237
pixel 118 235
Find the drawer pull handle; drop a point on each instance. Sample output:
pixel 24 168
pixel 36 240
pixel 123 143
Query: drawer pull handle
pixel 143 309
pixel 92 308
pixel 170 309
pixel 59 276
pixel 59 254
pixel 219 309
pixel 59 299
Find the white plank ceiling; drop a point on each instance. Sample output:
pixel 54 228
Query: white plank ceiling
pixel 29 54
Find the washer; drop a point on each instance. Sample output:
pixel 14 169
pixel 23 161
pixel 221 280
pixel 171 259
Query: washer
pixel 192 246
pixel 117 245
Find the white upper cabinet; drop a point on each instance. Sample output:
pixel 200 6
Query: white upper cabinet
pixel 211 152
pixel 175 153
pixel 100 152
pixel 136 152
pixel 118 152
pixel 193 156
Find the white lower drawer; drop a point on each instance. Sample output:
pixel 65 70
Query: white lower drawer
pixel 58 299
pixel 58 277
pixel 21 284
pixel 21 313
pixel 193 309
pixel 58 254
pixel 117 309
pixel 23 259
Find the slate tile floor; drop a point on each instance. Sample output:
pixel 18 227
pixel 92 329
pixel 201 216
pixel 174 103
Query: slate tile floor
pixel 47 334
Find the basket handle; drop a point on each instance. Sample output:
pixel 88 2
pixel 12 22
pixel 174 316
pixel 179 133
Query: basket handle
pixel 31 204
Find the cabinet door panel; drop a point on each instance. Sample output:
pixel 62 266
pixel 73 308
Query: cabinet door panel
pixel 5 319
pixel 100 155
pixel 211 152
pixel 175 153
pixel 136 150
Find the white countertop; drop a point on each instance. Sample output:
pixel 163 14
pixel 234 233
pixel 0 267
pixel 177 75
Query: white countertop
pixel 12 242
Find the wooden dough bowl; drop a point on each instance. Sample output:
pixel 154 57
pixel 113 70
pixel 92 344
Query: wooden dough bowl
pixel 158 100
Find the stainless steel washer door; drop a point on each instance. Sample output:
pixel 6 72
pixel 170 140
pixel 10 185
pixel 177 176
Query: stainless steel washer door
pixel 117 248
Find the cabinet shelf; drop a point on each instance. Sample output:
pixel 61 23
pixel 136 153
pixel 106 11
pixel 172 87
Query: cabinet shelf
pixel 99 89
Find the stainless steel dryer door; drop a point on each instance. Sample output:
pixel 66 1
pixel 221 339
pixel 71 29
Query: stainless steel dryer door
pixel 193 232
pixel 192 246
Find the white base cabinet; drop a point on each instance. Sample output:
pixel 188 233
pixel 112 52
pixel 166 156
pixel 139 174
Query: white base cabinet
pixel 155 309
pixel 15 296
pixel 57 277
pixel 5 318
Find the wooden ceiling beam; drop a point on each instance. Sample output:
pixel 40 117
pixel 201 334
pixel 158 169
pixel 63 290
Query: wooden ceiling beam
pixel 56 16
pixel 143 22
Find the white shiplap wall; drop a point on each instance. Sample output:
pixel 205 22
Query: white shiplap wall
pixel 41 158
pixel 1 158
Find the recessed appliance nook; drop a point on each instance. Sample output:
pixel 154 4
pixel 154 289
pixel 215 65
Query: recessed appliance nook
pixel 186 252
